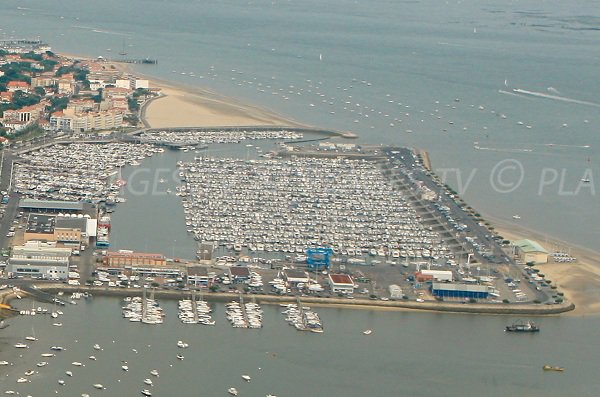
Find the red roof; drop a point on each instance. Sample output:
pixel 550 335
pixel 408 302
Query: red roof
pixel 17 84
pixel 341 279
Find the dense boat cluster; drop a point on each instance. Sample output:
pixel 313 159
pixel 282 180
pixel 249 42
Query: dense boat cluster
pixel 77 171
pixel 244 315
pixel 195 312
pixel 302 318
pixel 202 137
pixel 145 310
pixel 286 205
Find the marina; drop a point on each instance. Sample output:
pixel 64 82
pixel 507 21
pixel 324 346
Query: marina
pixel 77 171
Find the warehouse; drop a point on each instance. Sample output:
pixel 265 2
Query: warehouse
pixel 530 251
pixel 295 277
pixel 341 283
pixel 448 290
pixel 39 260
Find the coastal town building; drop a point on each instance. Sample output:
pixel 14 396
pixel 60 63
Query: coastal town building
pixel 41 260
pixel 530 251
pixel 199 276
pixel 67 230
pixel 125 258
pixel 14 86
pixel 449 290
pixel 341 283
pixel 239 274
pixel 69 120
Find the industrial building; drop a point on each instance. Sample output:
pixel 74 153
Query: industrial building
pixel 129 258
pixel 39 260
pixel 239 274
pixel 68 230
pixel 438 275
pixel 54 206
pixel 530 251
pixel 295 277
pixel 449 290
pixel 341 283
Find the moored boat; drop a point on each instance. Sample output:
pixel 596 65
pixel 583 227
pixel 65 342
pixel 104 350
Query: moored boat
pixel 519 326
pixel 552 368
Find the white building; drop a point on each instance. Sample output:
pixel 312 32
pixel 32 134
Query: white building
pixel 341 283
pixel 41 260
pixel 438 275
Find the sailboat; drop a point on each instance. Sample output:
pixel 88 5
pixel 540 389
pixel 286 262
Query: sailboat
pixel 122 52
pixel 3 324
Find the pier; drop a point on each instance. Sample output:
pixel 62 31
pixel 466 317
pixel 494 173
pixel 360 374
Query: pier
pixel 139 61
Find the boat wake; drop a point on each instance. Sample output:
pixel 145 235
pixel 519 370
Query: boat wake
pixel 513 94
pixel 507 150
pixel 555 97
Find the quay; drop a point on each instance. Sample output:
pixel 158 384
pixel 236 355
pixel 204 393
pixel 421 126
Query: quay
pixel 451 307
pixel 140 61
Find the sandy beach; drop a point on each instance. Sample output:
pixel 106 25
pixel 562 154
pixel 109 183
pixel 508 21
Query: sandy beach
pixel 178 108
pixel 580 281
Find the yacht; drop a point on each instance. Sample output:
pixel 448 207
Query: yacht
pixel 61 382
pixel 519 326
pixel 99 386
pixel 48 355
pixel 233 391
pixel 148 382
pixel 124 367
pixel 22 380
pixel 154 372
pixel 69 373
pixel 247 378
pixel 21 346
pixel 180 357
pixel 77 364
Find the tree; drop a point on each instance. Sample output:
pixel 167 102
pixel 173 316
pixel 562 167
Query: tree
pixel 40 91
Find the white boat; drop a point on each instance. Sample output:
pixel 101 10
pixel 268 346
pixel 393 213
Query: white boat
pixel 48 355
pixel 29 372
pixel 124 367
pixel 99 386
pixel 367 332
pixel 69 373
pixel 247 378
pixel 3 363
pixel 42 364
pixel 154 372
pixel 182 344
pixel 22 380
pixel 31 338
pixel 516 217
pixel 61 382
pixel 233 391
pixel 77 364
pixel 180 357
pixel 57 348
pixel 146 392
pixel 97 347
pixel 21 346
pixel 92 358
pixel 148 382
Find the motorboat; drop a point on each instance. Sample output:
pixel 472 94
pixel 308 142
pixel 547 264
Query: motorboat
pixel 552 368
pixel 31 338
pixel 124 367
pixel 148 382
pixel 154 372
pixel 61 382
pixel 367 332
pixel 146 392
pixel 180 357
pixel 29 372
pixel 48 355
pixel 3 363
pixel 77 364
pixel 97 347
pixel 247 378
pixel 69 373
pixel 42 364
pixel 22 380
pixel 516 216
pixel 21 346
pixel 57 348
pixel 93 358
pixel 520 326
pixel 99 386
pixel 182 344
pixel 233 391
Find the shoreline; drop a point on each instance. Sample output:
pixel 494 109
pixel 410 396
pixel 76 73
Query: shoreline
pixel 366 304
